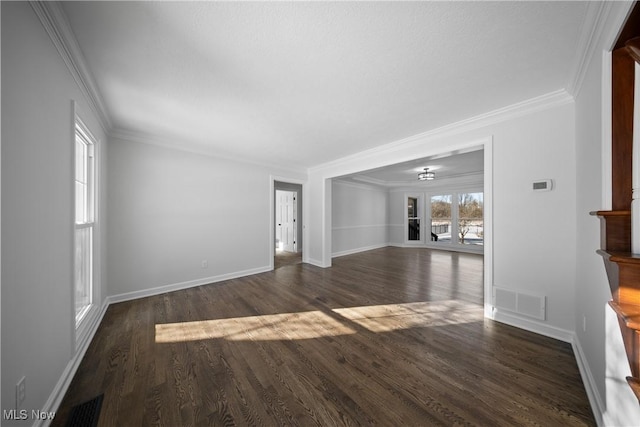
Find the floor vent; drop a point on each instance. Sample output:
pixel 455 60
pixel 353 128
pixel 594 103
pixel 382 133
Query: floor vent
pixel 86 414
pixel 519 302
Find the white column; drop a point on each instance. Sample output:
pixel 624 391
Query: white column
pixel 635 179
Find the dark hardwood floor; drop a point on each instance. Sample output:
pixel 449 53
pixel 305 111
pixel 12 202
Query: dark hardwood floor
pixel 389 337
pixel 283 258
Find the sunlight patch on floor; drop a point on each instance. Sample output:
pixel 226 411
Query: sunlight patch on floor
pixel 285 326
pixel 391 317
pixel 316 324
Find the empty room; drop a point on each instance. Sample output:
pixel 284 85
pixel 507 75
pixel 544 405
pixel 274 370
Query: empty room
pixel 320 213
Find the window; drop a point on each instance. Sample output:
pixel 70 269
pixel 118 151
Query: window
pixel 84 219
pixel 413 219
pixel 457 218
pixel 470 218
pixel 441 218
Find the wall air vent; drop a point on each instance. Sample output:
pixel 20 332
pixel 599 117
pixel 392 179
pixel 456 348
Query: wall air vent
pixel 520 303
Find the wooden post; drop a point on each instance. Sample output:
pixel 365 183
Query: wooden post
pixel 633 47
pixel 635 171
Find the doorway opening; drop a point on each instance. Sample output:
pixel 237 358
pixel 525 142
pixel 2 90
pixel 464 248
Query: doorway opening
pixel 287 224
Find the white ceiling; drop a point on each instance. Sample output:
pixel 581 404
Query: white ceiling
pixel 446 166
pixel 304 83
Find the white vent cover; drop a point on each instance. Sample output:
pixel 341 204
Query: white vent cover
pixel 521 303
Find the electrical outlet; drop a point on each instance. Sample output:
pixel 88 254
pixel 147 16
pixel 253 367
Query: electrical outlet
pixel 205 263
pixel 21 392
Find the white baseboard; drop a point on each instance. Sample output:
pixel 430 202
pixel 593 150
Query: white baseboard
pixel 532 325
pixel 55 398
pixel 357 250
pixel 595 400
pixel 128 296
pixel 317 263
pixel 469 249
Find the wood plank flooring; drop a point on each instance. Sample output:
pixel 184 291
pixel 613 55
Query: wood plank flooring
pixel 282 258
pixel 388 337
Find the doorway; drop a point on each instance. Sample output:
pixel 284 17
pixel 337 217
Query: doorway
pixel 286 218
pixel 287 224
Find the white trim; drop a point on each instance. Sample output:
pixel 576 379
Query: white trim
pixel 159 141
pixel 487 246
pixel 467 249
pixel 590 33
pixel 420 205
pixel 354 227
pixel 72 240
pixel 128 296
pixel 533 326
pixel 358 250
pixel 540 103
pixel 456 247
pixel 327 220
pixel 595 400
pixel 316 263
pixel 301 215
pixel 364 184
pixel 82 322
pixel 57 27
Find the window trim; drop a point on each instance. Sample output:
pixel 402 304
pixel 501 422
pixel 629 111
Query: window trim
pixel 424 201
pixel 80 130
pixel 455 244
pixel 421 217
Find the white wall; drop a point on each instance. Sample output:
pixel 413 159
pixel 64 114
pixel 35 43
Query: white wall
pixel 318 244
pixel 359 217
pixel 37 215
pixel 600 347
pixel 170 210
pixel 534 233
pixel 396 218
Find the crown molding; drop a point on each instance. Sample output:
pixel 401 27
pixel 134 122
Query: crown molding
pixel 360 184
pixel 590 33
pixel 148 139
pixel 600 29
pixel 464 179
pixel 369 180
pixel 57 26
pixel 530 106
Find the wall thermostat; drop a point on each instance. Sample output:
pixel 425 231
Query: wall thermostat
pixel 542 185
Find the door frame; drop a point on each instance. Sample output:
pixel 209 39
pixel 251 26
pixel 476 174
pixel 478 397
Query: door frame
pixel 301 216
pixel 293 223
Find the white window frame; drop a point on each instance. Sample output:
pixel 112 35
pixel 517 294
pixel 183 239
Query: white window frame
pixel 86 221
pixel 455 238
pixel 420 204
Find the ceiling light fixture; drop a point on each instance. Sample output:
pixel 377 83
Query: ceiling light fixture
pixel 426 175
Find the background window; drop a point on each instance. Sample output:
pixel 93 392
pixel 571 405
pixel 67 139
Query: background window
pixel 413 218
pixel 84 219
pixel 470 218
pixel 441 218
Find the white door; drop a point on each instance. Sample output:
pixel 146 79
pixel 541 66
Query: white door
pixel 286 226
